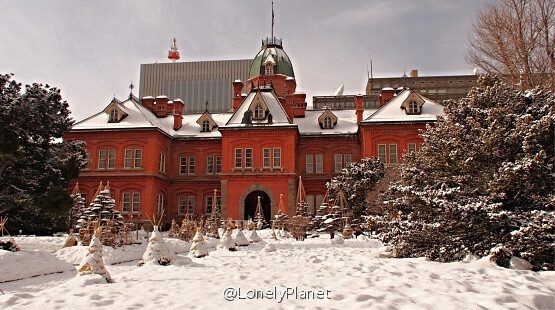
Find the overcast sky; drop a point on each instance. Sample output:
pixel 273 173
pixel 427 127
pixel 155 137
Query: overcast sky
pixel 92 50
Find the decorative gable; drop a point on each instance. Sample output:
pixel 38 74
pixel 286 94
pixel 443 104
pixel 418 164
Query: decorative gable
pixel 115 111
pixel 327 120
pixel 258 108
pixel 412 104
pixel 206 122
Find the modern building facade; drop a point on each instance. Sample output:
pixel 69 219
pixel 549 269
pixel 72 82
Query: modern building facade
pixel 158 158
pixel 437 88
pixel 195 82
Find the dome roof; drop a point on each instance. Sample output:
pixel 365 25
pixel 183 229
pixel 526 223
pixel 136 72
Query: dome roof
pixel 271 51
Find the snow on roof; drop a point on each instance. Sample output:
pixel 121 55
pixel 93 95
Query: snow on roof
pixel 271 101
pixel 140 117
pixel 392 112
pixel 346 122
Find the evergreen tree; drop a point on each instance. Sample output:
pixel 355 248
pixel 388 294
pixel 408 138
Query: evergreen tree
pixel 36 167
pixel 482 184
pixel 356 181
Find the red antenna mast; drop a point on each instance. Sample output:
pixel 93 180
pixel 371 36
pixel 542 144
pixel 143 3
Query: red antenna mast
pixel 173 54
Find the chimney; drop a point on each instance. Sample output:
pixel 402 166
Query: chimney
pixel 359 111
pixel 148 102
pixel 290 86
pixel 237 94
pixel 160 106
pixel 178 106
pixel 414 73
pixel 386 94
pixel 299 108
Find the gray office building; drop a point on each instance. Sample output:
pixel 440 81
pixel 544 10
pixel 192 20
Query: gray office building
pixel 195 82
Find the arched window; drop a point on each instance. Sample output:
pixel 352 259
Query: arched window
pixel 413 107
pixel 205 125
pixel 113 116
pixel 328 124
pixel 258 112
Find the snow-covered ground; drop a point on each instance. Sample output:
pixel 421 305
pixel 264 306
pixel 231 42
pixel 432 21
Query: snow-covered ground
pixel 314 273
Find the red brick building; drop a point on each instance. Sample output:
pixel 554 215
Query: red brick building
pixel 155 157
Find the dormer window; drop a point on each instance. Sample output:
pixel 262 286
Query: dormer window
pixel 413 107
pixel 328 123
pixel 327 120
pixel 258 112
pixel 114 116
pixel 205 126
pixel 269 69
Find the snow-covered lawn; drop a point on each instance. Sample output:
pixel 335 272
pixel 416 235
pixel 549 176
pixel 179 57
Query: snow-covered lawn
pixel 309 274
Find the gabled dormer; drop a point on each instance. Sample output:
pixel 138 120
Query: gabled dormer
pixel 258 108
pixel 115 111
pixel 206 122
pixel 412 104
pixel 327 120
pixel 269 64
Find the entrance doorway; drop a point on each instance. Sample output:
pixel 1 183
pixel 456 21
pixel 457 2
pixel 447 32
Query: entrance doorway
pixel 252 200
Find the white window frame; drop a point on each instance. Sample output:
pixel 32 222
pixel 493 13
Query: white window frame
pixel 248 158
pixel 192 164
pixel 205 125
pixel 114 115
pixel 87 158
pixel 138 160
pixel 411 147
pixel 208 204
pixel 111 159
pixel 160 203
pixel 277 157
pixel 238 158
pixel 327 123
pixel 183 168
pixel 181 204
pixel 382 152
pixel 266 157
pixel 393 153
pixel 346 160
pixel 135 202
pixel 413 107
pixel 218 164
pixel 209 164
pixel 338 162
pixel 101 159
pixel 125 202
pixel 309 163
pixel 319 163
pixel 191 204
pixel 162 163
pixel 258 111
pixel 128 159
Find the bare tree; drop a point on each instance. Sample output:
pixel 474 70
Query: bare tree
pixel 515 39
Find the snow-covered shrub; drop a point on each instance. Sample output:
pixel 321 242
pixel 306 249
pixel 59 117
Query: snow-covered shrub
pixel 254 237
pixel 482 183
pixel 227 242
pixel 93 262
pixel 199 247
pixel 156 250
pixel 240 239
pixel 356 181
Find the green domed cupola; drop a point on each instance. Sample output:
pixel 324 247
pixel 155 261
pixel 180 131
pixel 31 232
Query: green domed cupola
pixel 271 60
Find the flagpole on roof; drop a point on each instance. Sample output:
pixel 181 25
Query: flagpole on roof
pixel 272 20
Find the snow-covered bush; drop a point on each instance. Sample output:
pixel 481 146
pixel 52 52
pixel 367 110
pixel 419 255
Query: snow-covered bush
pixel 482 183
pixel 356 181
pixel 156 250
pixel 240 239
pixel 227 242
pixel 199 247
pixel 93 262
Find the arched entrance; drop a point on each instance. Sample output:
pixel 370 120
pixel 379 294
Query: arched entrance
pixel 252 200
